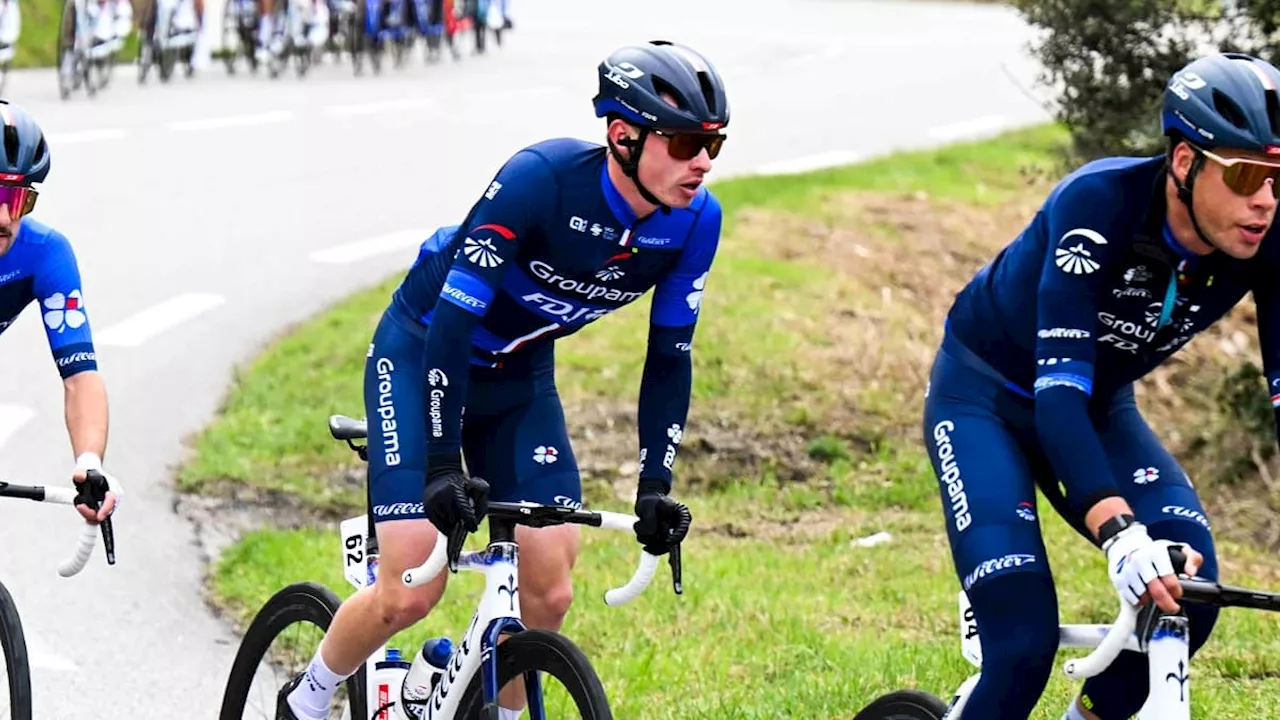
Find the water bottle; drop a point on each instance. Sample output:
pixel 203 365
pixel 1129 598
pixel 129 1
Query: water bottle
pixel 388 674
pixel 427 669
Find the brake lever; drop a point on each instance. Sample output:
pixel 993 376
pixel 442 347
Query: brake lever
pixel 457 539
pixel 97 485
pixel 673 558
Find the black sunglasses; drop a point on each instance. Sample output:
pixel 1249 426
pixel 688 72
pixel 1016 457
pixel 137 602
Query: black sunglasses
pixel 687 145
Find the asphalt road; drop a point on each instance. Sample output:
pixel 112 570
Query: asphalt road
pixel 210 213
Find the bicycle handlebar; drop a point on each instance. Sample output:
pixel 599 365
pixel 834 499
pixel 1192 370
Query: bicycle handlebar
pixel 1194 590
pixel 445 548
pixel 89 535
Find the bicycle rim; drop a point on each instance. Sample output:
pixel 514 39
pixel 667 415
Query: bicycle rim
pixel 17 706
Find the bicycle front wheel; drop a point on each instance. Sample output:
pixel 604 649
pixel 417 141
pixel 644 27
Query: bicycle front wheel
pixel 14 646
pixel 904 705
pixel 544 651
pixel 302 604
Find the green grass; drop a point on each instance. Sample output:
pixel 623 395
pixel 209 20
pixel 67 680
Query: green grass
pixel 782 616
pixel 38 43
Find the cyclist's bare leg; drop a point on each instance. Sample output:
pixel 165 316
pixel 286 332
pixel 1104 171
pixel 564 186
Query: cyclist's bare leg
pixel 547 557
pixel 370 617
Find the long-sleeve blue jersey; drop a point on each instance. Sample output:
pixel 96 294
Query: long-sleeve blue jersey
pixel 1093 295
pixel 550 247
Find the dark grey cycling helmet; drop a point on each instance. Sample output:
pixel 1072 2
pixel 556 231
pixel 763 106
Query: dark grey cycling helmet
pixel 26 154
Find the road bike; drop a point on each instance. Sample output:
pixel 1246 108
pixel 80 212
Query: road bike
pixel 466 684
pixel 240 21
pixel 168 37
pixel 90 36
pixel 1163 637
pixel 300 31
pixel 12 641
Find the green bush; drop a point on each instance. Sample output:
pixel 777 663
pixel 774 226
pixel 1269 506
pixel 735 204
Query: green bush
pixel 1109 60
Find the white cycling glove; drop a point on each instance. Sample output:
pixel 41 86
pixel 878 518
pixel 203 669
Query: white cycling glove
pixel 1134 559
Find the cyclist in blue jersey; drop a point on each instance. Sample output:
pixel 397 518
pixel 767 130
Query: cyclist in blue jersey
pixel 1126 261
pixel 37 263
pixel 567 232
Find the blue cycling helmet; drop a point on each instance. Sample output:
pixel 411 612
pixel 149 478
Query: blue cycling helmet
pixel 633 76
pixel 632 81
pixel 1225 100
pixel 26 154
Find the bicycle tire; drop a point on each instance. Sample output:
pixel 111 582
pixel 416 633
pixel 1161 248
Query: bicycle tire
pixel 14 646
pixel 547 652
pixel 904 705
pixel 305 601
pixel 66 52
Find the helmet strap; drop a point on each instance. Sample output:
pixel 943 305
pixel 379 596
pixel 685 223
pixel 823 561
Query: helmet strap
pixel 1185 194
pixel 631 165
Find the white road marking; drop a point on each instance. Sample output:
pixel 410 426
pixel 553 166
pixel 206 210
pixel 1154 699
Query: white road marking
pixel 83 136
pixel 369 247
pixel 807 163
pixel 12 418
pixel 39 655
pixel 145 325
pixel 373 108
pixel 266 118
pixel 987 124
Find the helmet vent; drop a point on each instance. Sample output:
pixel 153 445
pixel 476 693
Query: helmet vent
pixel 665 88
pixel 1273 113
pixel 708 92
pixel 39 154
pixel 1228 109
pixel 10 145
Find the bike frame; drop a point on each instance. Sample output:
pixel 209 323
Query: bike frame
pixel 1165 644
pixel 498 613
pixel 499 610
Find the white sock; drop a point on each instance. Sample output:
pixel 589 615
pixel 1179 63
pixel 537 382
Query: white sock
pixel 312 697
pixel 1073 713
pixel 505 714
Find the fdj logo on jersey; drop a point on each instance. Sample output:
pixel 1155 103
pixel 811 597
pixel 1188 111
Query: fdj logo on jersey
pixel 564 311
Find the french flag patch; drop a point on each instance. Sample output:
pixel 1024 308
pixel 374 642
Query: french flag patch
pixel 1275 400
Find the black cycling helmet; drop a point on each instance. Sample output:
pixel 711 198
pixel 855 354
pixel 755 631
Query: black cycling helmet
pixel 632 81
pixel 1223 100
pixel 26 154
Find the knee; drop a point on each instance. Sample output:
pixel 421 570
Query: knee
pixel 548 604
pixel 400 607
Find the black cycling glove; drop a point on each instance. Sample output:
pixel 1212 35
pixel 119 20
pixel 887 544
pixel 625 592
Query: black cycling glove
pixel 663 523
